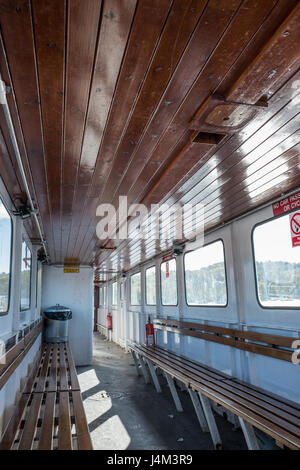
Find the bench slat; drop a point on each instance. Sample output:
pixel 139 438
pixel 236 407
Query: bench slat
pixel 82 431
pixel 291 411
pixel 52 385
pixel 31 422
pixel 62 369
pixel 271 412
pixel 46 414
pixel 64 428
pixel 72 369
pixel 13 425
pixel 229 396
pixel 46 437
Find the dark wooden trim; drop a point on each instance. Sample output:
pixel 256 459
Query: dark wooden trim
pixel 270 345
pixel 17 353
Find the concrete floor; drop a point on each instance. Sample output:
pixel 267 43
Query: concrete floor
pixel 125 413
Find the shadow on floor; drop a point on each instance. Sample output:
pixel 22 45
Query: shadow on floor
pixel 125 413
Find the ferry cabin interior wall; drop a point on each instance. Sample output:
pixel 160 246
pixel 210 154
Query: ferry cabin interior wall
pixel 242 311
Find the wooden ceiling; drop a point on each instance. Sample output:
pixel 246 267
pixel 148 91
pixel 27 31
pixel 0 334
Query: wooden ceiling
pixel 116 97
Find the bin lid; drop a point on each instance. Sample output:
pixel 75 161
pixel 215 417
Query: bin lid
pixel 58 312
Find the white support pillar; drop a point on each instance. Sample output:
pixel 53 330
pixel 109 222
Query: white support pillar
pixel 144 370
pixel 34 266
pixel 212 425
pixel 173 392
pixel 249 434
pixel 198 410
pixel 154 376
pixel 16 273
pixel 135 362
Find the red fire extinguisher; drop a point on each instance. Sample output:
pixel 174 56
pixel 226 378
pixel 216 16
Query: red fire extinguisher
pixel 150 337
pixel 109 322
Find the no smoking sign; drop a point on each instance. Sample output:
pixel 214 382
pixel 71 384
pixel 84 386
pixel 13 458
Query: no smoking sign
pixel 295 228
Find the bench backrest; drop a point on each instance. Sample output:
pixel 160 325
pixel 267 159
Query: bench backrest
pixel 276 346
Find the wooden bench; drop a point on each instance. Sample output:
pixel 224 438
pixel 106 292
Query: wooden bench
pixel 50 413
pixel 274 415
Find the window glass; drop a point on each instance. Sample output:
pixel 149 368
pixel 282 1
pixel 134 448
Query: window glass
pixel 151 286
pixel 114 294
pixel 205 277
pixel 277 264
pixel 135 289
pixel 168 282
pixel 5 257
pixel 25 276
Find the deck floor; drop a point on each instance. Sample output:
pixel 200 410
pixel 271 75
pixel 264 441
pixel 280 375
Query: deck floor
pixel 125 413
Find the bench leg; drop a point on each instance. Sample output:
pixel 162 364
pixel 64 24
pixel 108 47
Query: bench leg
pixel 135 362
pixel 173 392
pixel 212 425
pixel 198 410
pixel 249 434
pixel 144 370
pixel 154 376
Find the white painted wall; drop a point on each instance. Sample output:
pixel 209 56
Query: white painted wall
pixel 76 292
pixel 243 311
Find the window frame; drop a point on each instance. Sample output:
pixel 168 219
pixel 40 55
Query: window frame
pixel 112 295
pixel 146 303
pixel 30 279
pixel 226 282
pixel 168 305
pixel 38 271
pixel 2 314
pixel 134 274
pixel 270 307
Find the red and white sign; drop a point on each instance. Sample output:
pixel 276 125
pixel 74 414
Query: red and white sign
pixel 167 269
pixel 167 257
pixel 295 228
pixel 285 205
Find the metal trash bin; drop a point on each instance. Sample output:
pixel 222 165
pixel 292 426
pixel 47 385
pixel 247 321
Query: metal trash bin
pixel 57 323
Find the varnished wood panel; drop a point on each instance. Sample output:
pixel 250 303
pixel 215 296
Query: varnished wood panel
pixel 111 90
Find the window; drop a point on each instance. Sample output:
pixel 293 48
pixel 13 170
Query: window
pixel 25 276
pixel 151 286
pixel 168 278
pixel 5 257
pixel 114 294
pixel 135 289
pixel 205 276
pixel 277 264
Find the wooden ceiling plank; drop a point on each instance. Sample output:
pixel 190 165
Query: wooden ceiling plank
pixel 204 39
pixel 148 22
pixel 241 19
pixel 8 171
pixel 287 96
pixel 115 27
pixel 49 33
pixel 83 23
pixel 16 28
pixel 242 22
pixel 199 49
pixel 179 26
pixel 280 53
pixel 213 74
